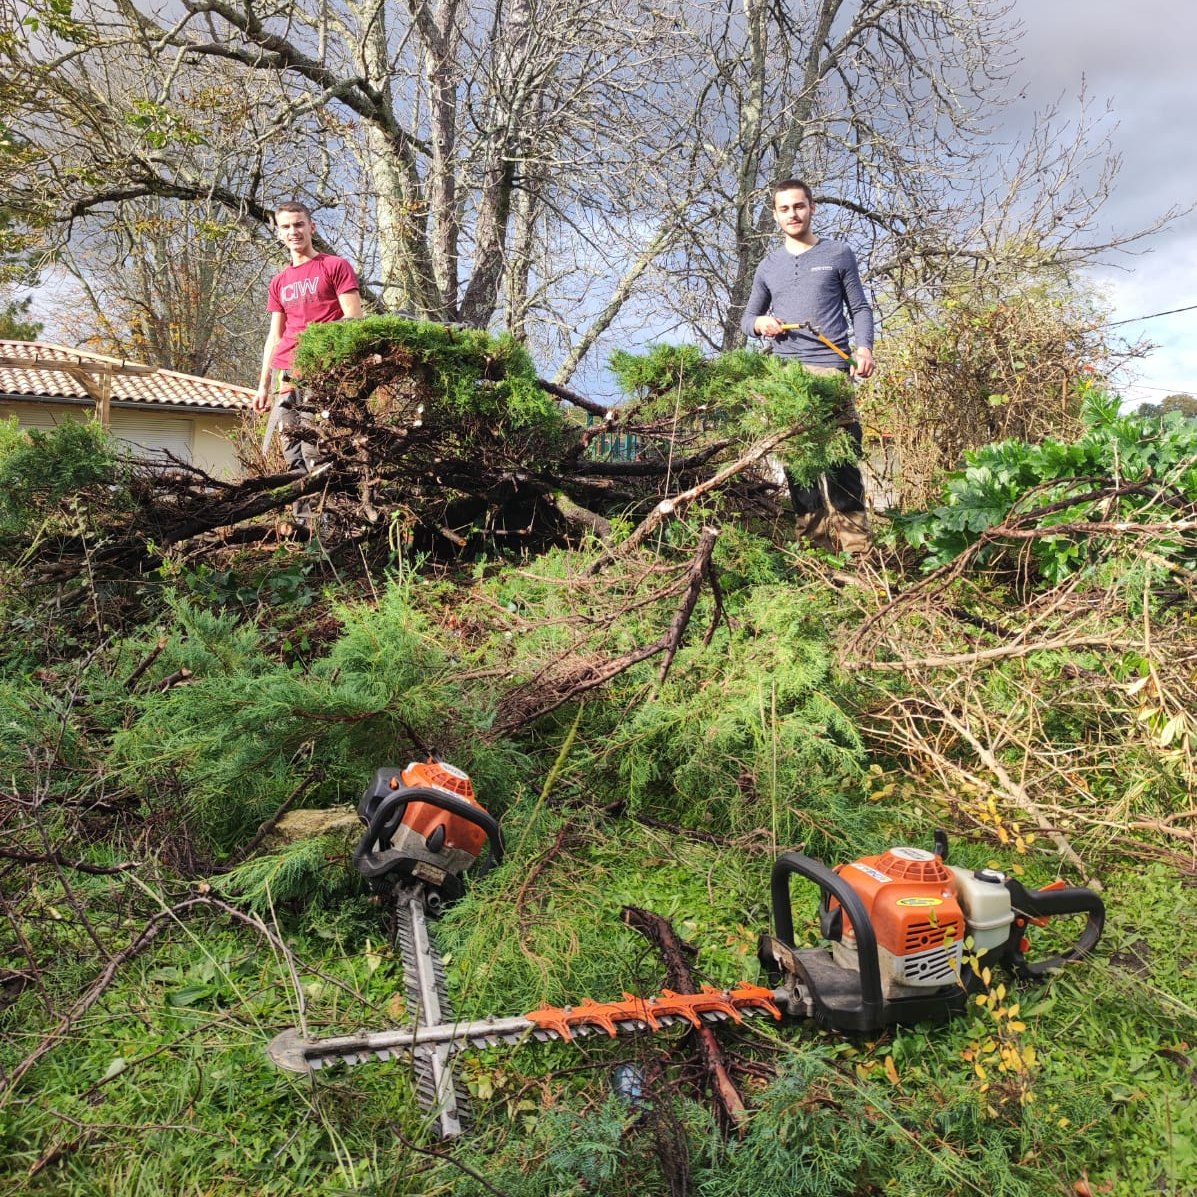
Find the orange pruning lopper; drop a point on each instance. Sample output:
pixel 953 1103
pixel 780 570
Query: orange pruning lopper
pixel 806 326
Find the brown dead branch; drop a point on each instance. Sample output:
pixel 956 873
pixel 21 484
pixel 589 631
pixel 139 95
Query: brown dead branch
pixel 180 677
pixel 570 676
pixel 675 952
pixel 56 858
pixel 27 951
pixel 146 662
pixel 527 703
pixel 700 571
pixel 246 851
pixel 588 405
pixel 538 868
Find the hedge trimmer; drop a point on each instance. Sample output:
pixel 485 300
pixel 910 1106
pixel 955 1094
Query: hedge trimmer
pixel 907 936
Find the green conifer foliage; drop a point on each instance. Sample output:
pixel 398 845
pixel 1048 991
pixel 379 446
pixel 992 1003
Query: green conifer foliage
pixel 456 372
pixel 311 870
pixel 230 746
pixel 671 378
pixel 742 395
pixel 752 734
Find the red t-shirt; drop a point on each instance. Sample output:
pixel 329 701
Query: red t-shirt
pixel 307 294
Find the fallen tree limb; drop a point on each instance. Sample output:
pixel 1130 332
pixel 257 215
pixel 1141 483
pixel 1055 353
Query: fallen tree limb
pixel 587 405
pixel 673 506
pixel 444 440
pixel 674 951
pixel 700 570
pixel 581 517
pixel 56 858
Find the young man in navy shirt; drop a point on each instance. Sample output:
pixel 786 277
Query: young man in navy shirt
pixel 815 282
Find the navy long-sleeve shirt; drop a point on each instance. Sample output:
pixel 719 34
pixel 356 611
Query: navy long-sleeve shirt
pixel 821 286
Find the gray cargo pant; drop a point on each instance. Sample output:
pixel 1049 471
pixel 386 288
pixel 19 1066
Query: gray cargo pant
pixel 287 417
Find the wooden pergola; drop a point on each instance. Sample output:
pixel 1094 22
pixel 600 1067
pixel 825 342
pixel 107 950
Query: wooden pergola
pixel 94 375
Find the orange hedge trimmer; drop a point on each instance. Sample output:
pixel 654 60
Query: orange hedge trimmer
pixel 896 927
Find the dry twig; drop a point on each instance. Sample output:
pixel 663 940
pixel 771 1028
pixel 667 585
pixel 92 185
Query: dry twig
pixel 659 932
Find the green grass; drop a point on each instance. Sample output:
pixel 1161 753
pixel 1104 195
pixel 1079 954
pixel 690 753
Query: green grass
pixel 164 1086
pixel 675 797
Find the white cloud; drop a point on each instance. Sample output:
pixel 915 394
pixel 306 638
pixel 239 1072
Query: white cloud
pixel 1139 58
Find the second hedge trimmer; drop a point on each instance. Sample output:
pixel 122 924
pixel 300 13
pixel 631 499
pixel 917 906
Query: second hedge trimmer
pixel 907 934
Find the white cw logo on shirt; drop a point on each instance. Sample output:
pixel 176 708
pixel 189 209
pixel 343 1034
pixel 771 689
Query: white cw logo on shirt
pixel 305 288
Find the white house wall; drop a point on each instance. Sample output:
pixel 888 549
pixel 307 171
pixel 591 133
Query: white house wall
pixel 204 439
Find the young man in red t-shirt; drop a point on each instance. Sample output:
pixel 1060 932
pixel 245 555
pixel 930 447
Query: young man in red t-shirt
pixel 315 288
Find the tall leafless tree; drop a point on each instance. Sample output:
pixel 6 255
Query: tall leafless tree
pixel 178 285
pixel 572 170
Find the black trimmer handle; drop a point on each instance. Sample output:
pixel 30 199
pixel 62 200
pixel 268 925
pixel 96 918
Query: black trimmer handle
pixel 831 885
pixel 1032 904
pixel 383 809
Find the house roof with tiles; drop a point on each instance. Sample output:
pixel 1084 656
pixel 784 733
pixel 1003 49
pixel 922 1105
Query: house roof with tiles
pixel 36 370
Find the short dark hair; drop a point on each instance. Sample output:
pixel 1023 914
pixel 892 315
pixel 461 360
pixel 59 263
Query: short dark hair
pixel 793 185
pixel 294 206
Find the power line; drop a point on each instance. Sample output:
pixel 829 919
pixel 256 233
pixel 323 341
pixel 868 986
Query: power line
pixel 1142 386
pixel 1154 315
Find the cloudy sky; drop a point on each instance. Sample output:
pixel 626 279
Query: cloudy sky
pixel 1140 58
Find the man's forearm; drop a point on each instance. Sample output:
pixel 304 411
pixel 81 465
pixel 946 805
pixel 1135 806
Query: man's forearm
pixel 262 399
pixel 267 357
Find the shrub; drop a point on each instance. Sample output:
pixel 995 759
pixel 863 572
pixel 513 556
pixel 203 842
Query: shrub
pixel 41 471
pixel 979 372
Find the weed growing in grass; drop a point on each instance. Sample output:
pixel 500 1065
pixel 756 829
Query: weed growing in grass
pixel 1002 1061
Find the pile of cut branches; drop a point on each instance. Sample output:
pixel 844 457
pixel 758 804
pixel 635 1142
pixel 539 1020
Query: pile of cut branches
pixel 1041 672
pixel 444 439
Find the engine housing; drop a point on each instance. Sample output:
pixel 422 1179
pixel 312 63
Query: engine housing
pixel 911 897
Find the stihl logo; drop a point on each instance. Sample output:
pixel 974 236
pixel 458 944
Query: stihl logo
pixel 304 289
